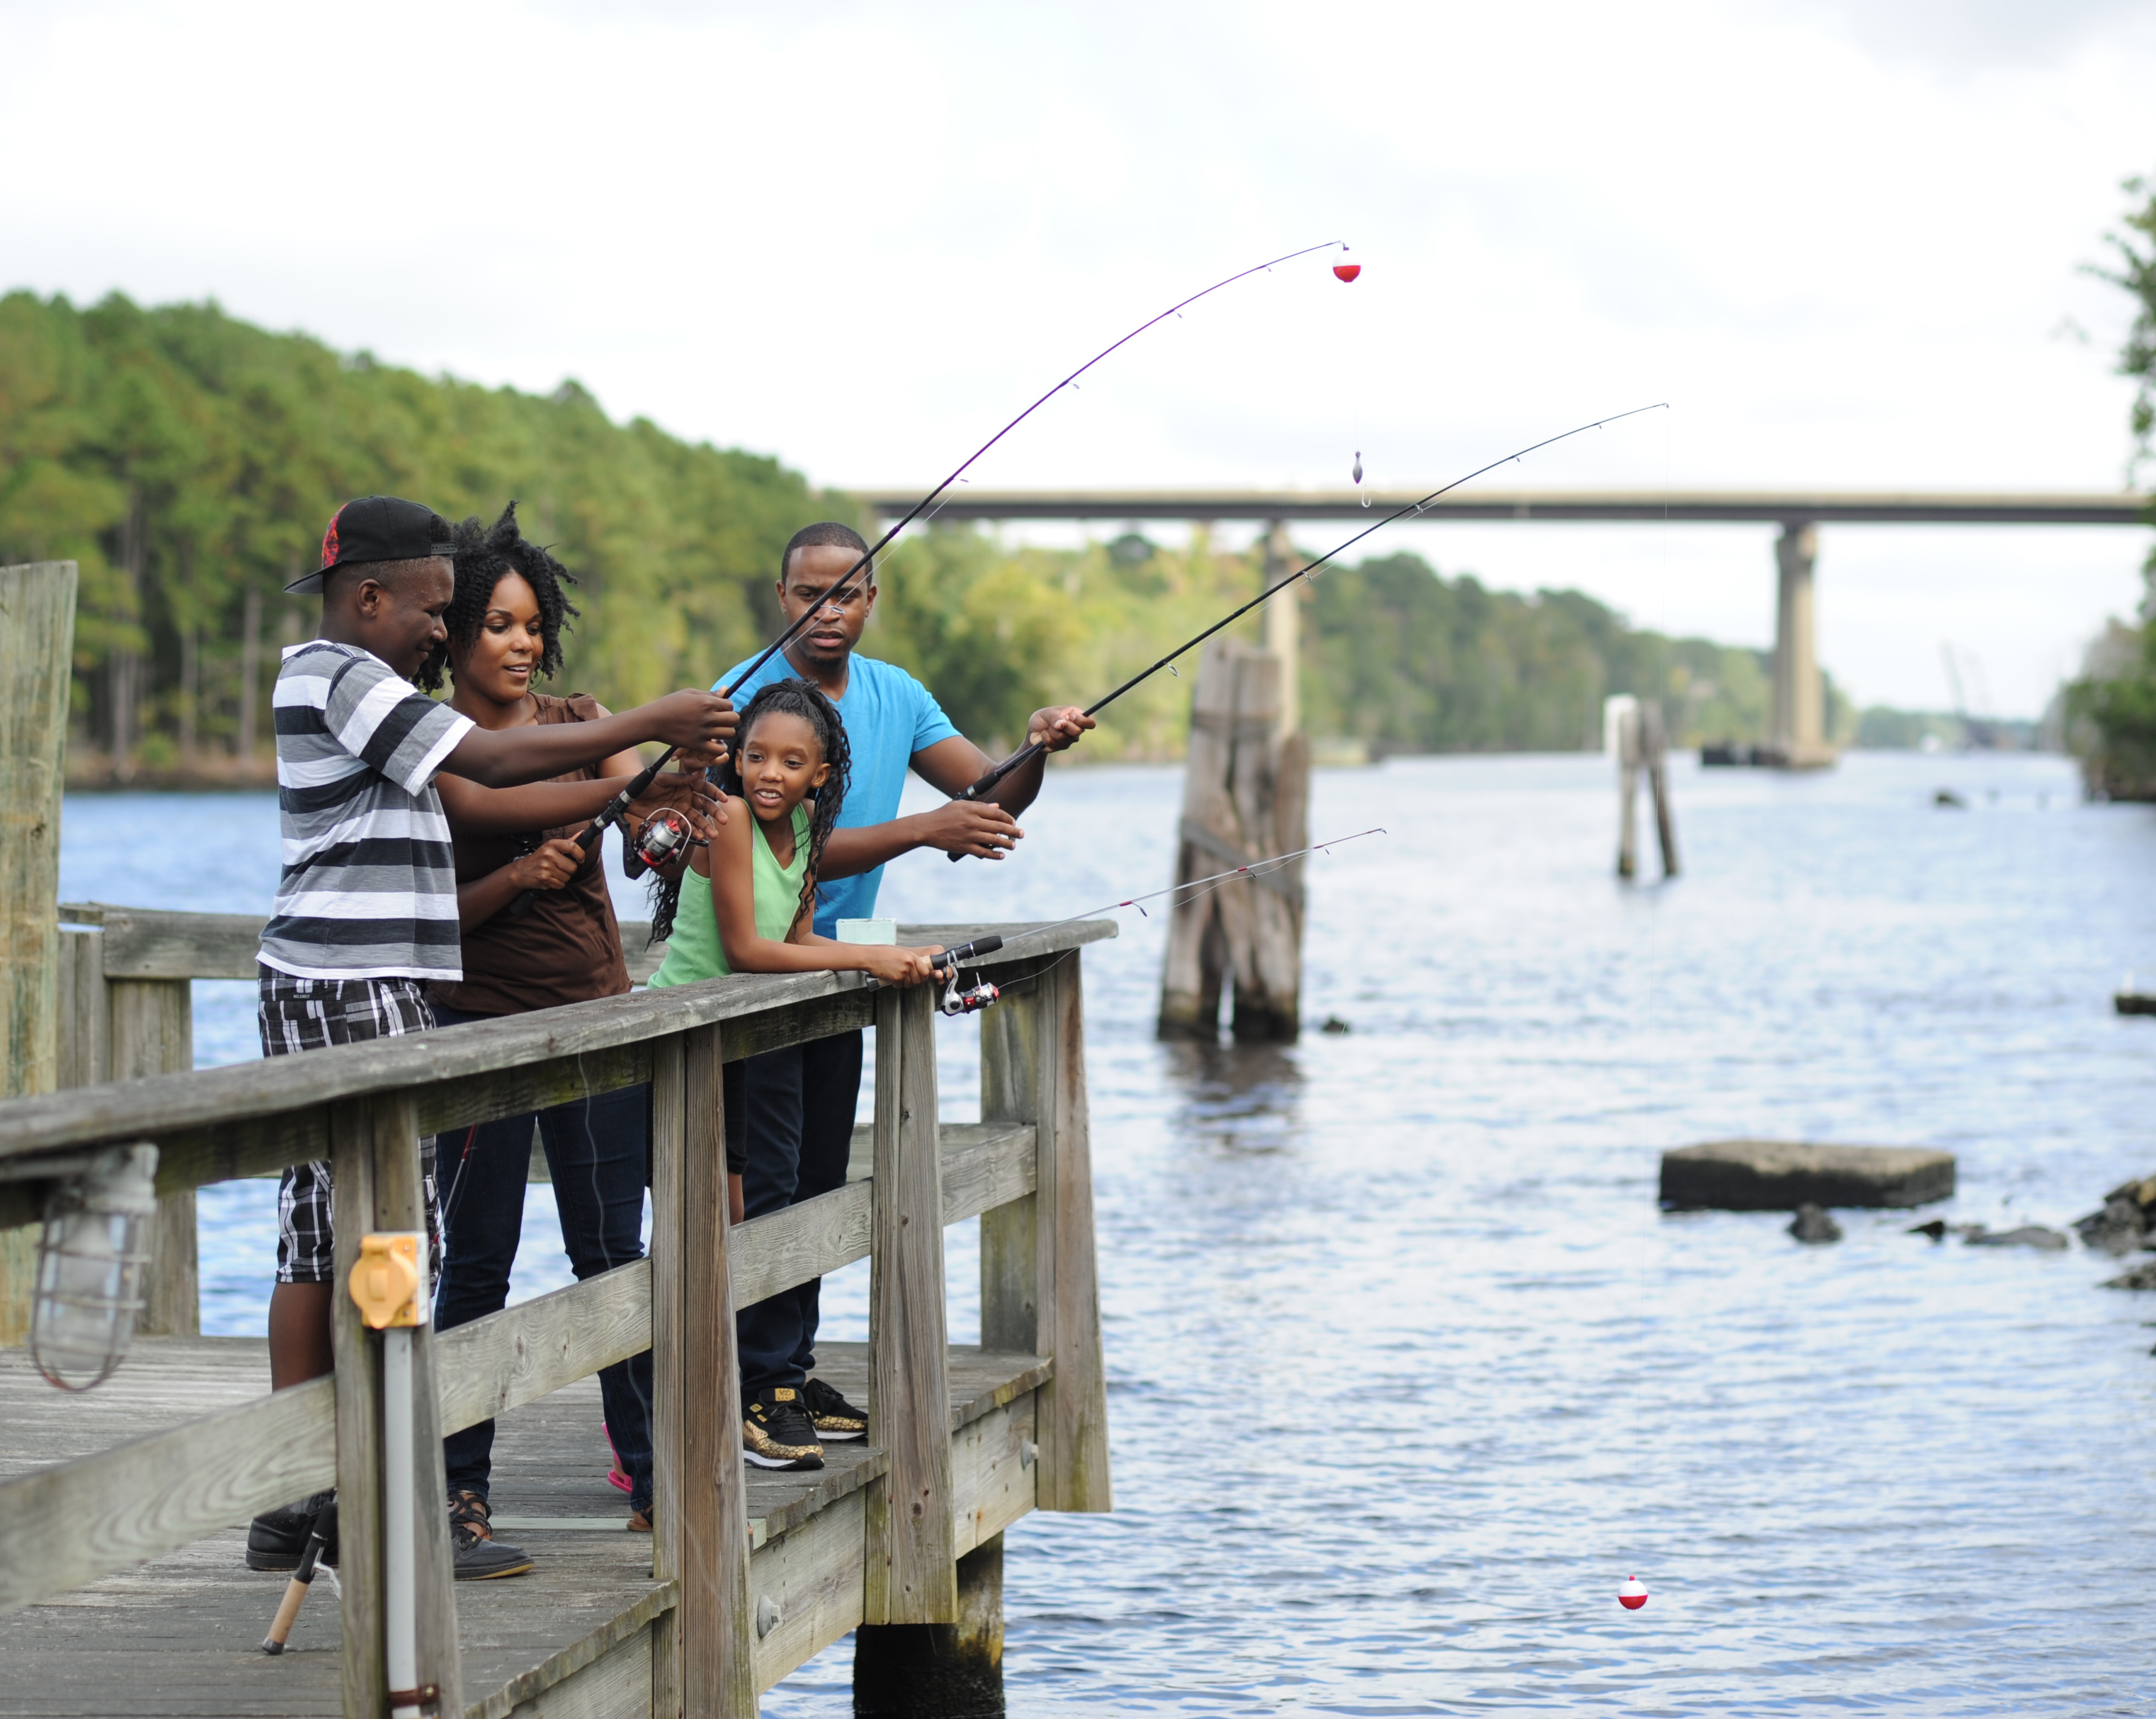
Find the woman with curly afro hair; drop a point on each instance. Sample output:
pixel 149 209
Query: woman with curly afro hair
pixel 538 930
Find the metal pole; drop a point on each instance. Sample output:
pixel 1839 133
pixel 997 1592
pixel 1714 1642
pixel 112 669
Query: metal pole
pixel 400 1554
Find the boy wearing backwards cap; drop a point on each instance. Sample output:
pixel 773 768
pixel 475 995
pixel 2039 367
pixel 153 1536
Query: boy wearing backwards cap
pixel 366 913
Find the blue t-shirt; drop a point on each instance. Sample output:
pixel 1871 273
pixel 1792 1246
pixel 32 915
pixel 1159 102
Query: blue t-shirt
pixel 889 717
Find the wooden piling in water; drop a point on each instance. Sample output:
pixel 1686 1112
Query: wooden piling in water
pixel 37 663
pixel 1633 731
pixel 1245 797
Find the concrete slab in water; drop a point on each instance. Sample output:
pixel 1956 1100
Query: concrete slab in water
pixel 1780 1176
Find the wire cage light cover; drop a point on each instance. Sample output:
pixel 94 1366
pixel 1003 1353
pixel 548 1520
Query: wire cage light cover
pixel 90 1261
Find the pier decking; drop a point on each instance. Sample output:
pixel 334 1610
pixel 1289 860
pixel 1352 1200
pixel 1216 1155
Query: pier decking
pixel 123 1510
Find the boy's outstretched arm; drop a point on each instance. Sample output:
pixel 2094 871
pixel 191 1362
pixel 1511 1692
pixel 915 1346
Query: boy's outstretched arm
pixel 701 724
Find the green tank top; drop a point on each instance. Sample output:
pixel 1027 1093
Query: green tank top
pixel 695 951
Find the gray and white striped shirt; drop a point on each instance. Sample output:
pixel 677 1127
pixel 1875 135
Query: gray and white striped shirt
pixel 369 889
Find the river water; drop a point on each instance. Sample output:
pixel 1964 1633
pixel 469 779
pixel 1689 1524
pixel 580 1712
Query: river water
pixel 1407 1372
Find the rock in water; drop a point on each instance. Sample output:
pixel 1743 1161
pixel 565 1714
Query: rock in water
pixel 1937 1229
pixel 2118 1228
pixel 1815 1223
pixel 2029 1235
pixel 1780 1176
pixel 2140 1277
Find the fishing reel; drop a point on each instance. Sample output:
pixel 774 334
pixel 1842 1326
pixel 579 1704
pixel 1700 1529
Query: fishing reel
pixel 971 1000
pixel 974 998
pixel 660 840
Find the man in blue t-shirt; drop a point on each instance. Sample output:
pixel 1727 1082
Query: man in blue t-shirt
pixel 800 1100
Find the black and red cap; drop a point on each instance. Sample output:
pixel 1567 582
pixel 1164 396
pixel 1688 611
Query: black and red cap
pixel 376 528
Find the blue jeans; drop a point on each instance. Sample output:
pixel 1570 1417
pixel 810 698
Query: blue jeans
pixel 797 1106
pixel 598 1153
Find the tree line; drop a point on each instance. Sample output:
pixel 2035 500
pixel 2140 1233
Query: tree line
pixel 187 461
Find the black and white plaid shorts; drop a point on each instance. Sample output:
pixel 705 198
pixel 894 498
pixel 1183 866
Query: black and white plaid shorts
pixel 297 1015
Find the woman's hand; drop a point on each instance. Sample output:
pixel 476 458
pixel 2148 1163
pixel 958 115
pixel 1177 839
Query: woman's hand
pixel 892 964
pixel 553 866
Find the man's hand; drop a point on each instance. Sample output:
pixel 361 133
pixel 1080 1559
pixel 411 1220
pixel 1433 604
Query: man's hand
pixel 977 828
pixel 1058 727
pixel 689 791
pixel 701 724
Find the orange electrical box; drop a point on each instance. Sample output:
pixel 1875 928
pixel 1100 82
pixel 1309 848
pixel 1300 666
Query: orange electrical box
pixel 387 1284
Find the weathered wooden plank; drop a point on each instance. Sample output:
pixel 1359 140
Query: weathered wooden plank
pixel 714 1624
pixel 152 1031
pixel 983 1165
pixel 149 944
pixel 68 1525
pixel 992 1472
pixel 505 1360
pixel 812 1240
pixel 522 1091
pixel 670 1408
pixel 1039 1284
pixel 910 1578
pixel 807 1588
pixel 86 1011
pixel 175 1104
pixel 606 1675
pixel 818 1018
pixel 358 1381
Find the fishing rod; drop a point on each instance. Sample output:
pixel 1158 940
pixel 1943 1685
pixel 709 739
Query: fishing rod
pixel 1033 749
pixel 946 965
pixel 677 837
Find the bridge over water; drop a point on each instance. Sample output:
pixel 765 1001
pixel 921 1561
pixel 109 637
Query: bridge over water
pixel 1798 732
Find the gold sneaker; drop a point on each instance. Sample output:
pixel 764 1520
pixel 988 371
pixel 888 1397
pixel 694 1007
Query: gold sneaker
pixel 831 1415
pixel 777 1432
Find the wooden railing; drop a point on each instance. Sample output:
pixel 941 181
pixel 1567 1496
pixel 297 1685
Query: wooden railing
pixel 1024 1170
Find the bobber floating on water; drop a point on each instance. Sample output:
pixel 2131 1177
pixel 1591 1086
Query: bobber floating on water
pixel 1633 1594
pixel 1347 271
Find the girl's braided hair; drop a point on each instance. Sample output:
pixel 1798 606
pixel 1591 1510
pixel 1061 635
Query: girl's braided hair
pixel 789 698
pixel 484 554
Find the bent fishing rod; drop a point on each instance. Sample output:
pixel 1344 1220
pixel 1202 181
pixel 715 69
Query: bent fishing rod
pixel 1034 748
pixel 678 838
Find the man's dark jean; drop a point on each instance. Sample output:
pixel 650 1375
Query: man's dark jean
pixel 799 1105
pixel 598 1153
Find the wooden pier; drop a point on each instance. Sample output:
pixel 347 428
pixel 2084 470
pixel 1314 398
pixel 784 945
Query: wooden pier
pixel 123 1509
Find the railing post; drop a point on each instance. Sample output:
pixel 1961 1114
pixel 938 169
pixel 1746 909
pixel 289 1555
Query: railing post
pixel 37 634
pixel 1039 1284
pixel 669 1312
pixel 911 1554
pixel 701 1662
pixel 375 1167
pixel 153 1032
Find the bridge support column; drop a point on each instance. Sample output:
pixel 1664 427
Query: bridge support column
pixel 1798 730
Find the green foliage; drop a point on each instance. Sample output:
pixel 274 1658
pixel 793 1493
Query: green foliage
pixel 1407 661
pixel 2112 708
pixel 185 458
pixel 188 460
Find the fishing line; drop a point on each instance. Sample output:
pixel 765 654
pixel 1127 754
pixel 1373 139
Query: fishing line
pixel 1255 868
pixel 618 805
pixel 1033 749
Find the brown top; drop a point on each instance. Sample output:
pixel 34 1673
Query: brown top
pixel 568 948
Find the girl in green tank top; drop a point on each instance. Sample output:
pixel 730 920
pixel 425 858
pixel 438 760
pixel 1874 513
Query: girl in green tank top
pixel 747 903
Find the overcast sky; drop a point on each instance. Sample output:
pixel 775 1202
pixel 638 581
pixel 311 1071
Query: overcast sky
pixel 1845 242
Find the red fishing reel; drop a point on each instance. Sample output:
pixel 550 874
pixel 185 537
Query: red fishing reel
pixel 970 1001
pixel 660 840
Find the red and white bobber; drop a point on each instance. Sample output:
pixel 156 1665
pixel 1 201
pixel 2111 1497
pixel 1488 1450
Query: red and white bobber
pixel 1633 1594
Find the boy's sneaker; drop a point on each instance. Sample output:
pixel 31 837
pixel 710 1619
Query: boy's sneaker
pixel 833 1417
pixel 480 1557
pixel 276 1538
pixel 777 1432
